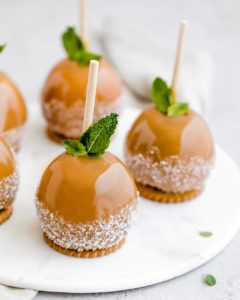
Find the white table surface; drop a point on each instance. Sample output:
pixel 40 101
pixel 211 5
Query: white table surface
pixel 215 28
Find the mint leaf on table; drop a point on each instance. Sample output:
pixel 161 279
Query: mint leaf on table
pixel 74 148
pixel 75 48
pixel 160 94
pixel 205 234
pixel 177 109
pixel 162 97
pixel 95 140
pixel 210 279
pixel 2 47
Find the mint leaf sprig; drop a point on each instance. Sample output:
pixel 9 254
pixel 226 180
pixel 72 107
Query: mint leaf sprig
pixel 76 49
pixel 162 97
pixel 2 47
pixel 95 140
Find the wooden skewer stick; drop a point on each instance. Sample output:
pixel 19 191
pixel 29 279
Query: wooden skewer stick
pixel 83 21
pixel 91 93
pixel 179 55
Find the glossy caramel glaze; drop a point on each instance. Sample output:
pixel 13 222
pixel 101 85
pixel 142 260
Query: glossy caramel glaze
pixel 13 111
pixel 84 189
pixel 67 82
pixel 184 135
pixel 7 164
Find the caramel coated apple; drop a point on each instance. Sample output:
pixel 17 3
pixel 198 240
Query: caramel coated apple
pixel 8 180
pixel 13 113
pixel 170 154
pixel 64 94
pixel 86 204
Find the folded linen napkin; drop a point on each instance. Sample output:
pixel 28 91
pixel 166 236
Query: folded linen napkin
pixel 141 56
pixel 10 293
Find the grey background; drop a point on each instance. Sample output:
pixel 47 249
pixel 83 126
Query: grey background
pixel 214 28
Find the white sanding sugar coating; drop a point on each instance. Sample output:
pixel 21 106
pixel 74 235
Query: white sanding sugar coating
pixel 67 120
pixel 173 174
pixel 13 137
pixel 98 234
pixel 8 189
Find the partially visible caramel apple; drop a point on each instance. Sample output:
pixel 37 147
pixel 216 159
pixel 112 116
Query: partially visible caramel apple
pixel 8 180
pixel 13 113
pixel 171 154
pixel 64 94
pixel 86 204
pixel 7 164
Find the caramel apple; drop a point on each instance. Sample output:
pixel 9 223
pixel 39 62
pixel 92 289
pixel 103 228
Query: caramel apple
pixel 169 148
pixel 87 199
pixel 8 181
pixel 85 202
pixel 64 92
pixel 85 205
pixel 169 156
pixel 13 113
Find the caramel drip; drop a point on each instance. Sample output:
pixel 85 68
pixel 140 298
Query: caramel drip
pixel 12 108
pixel 7 165
pixel 83 189
pixel 67 82
pixel 183 135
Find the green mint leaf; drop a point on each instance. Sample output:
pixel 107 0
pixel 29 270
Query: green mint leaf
pixel 75 48
pixel 161 95
pixel 210 280
pixel 205 234
pixel 74 148
pixel 83 57
pixel 97 138
pixel 163 98
pixel 72 43
pixel 2 47
pixel 177 109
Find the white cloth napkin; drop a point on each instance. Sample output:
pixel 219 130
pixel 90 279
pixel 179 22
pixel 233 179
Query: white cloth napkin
pixel 141 56
pixel 10 293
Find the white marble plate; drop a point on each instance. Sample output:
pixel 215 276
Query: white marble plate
pixel 163 243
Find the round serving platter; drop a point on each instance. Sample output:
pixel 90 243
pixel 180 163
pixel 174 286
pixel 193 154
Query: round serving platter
pixel 163 243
